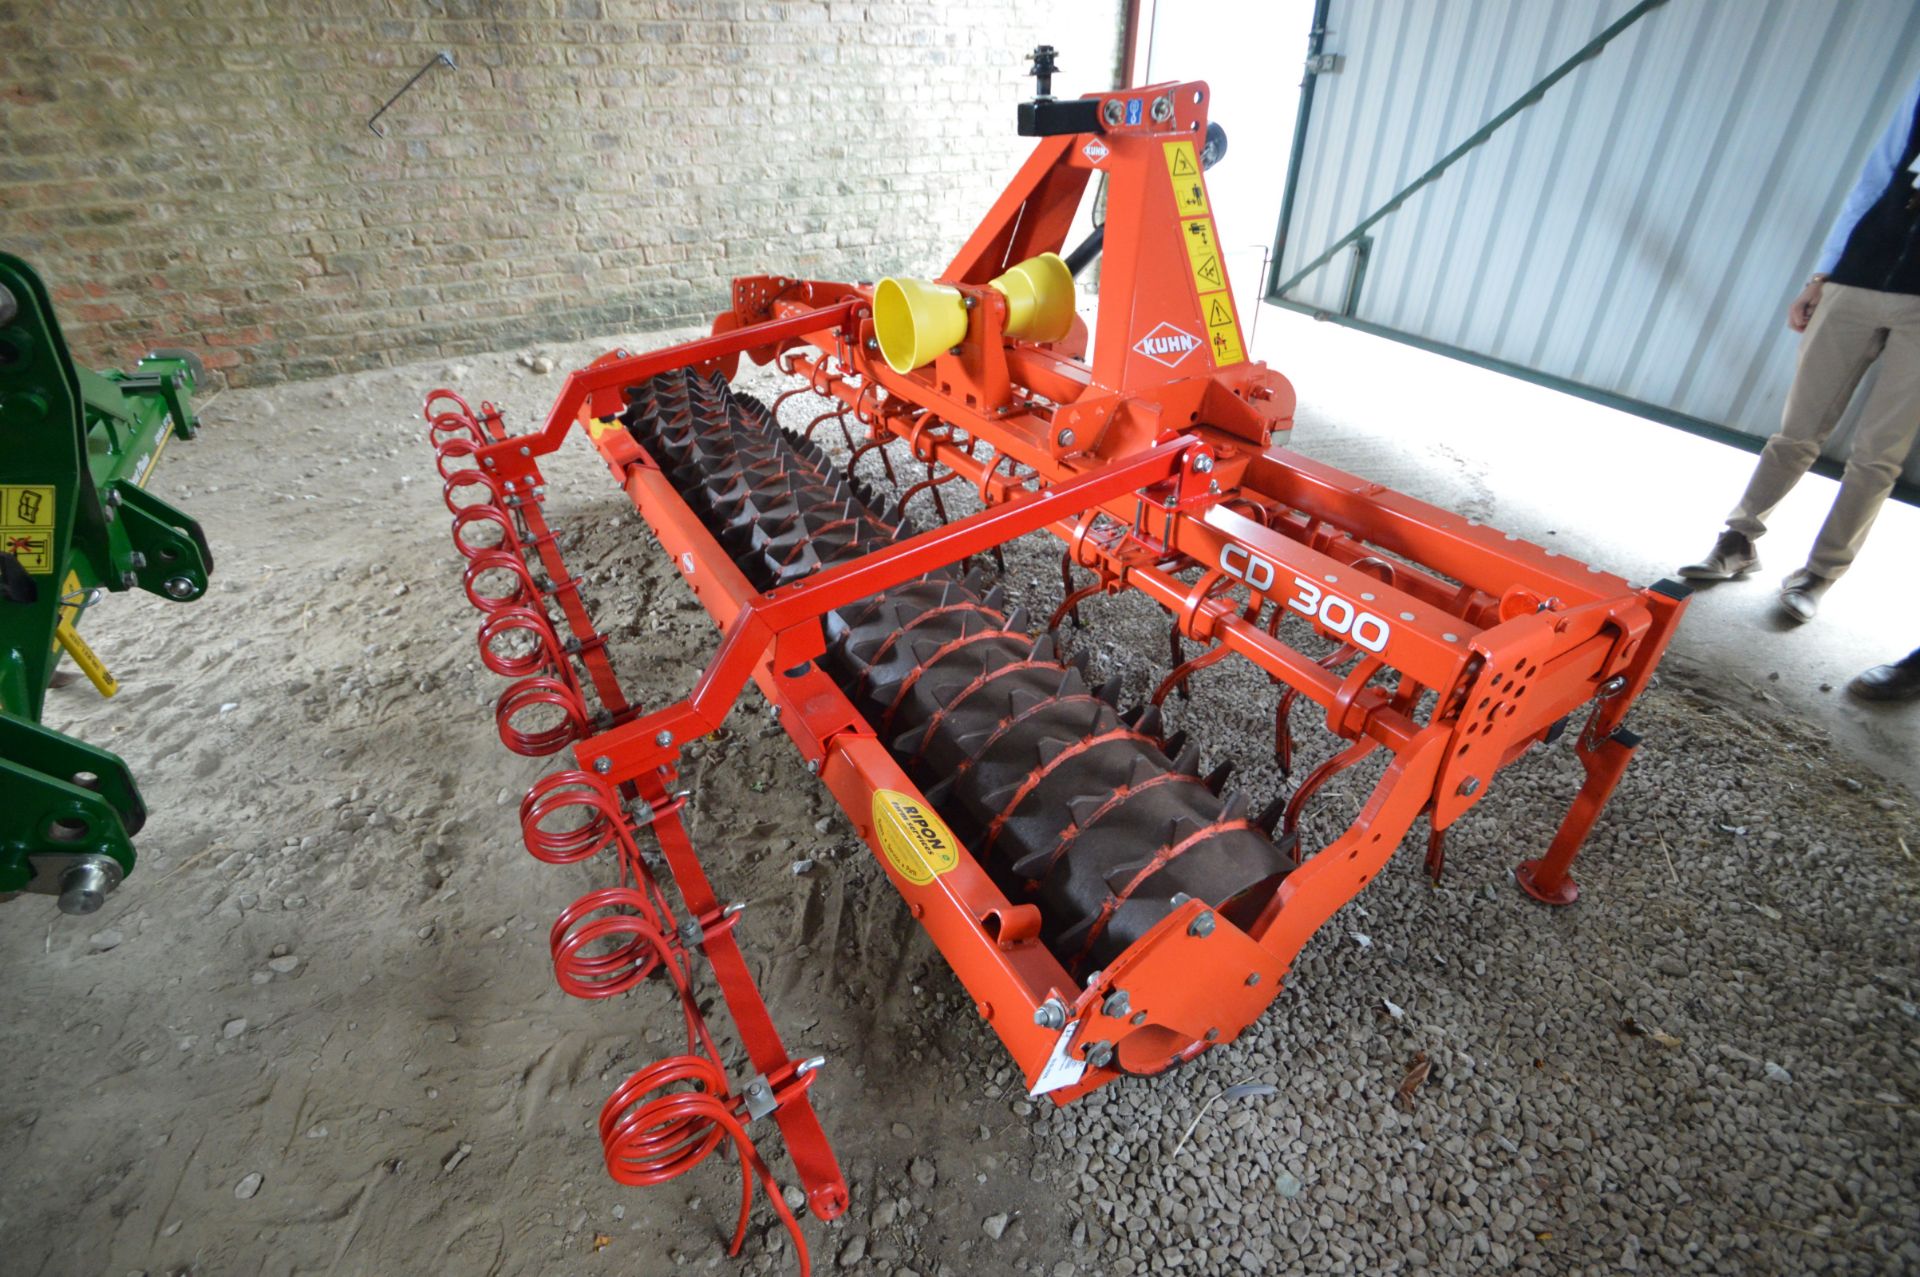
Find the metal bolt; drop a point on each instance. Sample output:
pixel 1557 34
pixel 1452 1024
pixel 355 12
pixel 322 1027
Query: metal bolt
pixel 178 587
pixel 84 887
pixel 129 581
pixel 1469 787
pixel 1117 1004
pixel 1112 112
pixel 809 1064
pixel 1613 686
pixel 1064 438
pixel 1162 108
pixel 1139 1018
pixel 1253 979
pixel 1203 462
pixel 1099 1053
pixel 487 462
pixel 873 344
pixel 603 764
pixel 969 301
pixel 619 354
pixel 813 767
pixel 1213 487
pixel 1201 926
pixel 137 559
pixel 115 496
pixel 525 451
pixel 663 738
pixel 1050 1014
pixel 1213 1035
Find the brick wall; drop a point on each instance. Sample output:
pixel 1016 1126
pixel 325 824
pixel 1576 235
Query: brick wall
pixel 593 165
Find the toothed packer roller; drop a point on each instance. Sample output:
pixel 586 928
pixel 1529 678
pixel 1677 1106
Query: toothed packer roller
pixel 1067 802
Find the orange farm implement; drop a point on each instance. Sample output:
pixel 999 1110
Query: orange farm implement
pixel 1108 909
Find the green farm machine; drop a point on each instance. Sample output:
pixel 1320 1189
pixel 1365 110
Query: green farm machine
pixel 76 521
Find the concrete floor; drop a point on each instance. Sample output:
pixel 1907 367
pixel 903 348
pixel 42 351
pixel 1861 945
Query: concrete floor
pixel 1628 494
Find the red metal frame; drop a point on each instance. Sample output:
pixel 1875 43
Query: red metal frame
pixel 1160 457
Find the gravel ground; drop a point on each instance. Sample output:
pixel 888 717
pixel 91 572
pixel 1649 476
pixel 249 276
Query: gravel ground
pixel 317 1032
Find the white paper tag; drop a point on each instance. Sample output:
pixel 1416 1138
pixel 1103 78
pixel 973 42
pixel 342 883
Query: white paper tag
pixel 1062 1068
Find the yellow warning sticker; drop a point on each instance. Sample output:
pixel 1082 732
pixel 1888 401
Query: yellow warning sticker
pixel 1183 170
pixel 1223 333
pixel 26 526
pixel 915 841
pixel 1203 255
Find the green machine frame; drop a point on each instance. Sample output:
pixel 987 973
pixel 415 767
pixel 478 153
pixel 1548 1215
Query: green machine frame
pixel 76 520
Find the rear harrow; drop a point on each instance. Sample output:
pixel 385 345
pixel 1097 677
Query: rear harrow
pixel 1109 909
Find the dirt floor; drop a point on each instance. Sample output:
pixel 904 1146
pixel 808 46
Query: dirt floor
pixel 317 1032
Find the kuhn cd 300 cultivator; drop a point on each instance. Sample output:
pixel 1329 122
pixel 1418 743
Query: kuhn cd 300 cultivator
pixel 1107 907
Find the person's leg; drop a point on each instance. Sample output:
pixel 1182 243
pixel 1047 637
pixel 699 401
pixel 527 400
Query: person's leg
pixel 1888 425
pixel 1846 335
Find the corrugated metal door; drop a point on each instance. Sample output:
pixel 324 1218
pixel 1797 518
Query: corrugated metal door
pixel 1637 233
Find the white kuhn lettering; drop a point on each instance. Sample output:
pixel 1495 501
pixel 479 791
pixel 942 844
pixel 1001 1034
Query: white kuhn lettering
pixel 1167 345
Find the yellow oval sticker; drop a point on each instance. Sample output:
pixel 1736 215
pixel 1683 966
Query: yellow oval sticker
pixel 915 840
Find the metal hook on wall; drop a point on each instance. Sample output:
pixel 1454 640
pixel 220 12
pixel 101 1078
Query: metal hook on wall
pixel 442 58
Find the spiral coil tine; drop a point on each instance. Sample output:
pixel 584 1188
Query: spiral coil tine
pixel 606 824
pixel 537 691
pixel 498 560
pixel 652 1134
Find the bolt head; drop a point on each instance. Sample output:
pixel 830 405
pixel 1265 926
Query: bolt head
pixel 873 343
pixel 1117 1004
pixel 1064 438
pixel 1113 112
pixel 1098 1053
pixel 525 451
pixel 603 764
pixel 663 738
pixel 129 581
pixel 1469 787
pixel 1203 462
pixel 1201 926
pixel 1162 109
pixel 178 587
pixel 1050 1014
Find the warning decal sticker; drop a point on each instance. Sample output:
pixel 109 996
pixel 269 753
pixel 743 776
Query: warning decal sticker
pixel 1183 170
pixel 915 841
pixel 1203 255
pixel 26 526
pixel 1223 334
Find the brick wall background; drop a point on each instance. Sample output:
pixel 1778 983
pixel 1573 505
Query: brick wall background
pixel 201 174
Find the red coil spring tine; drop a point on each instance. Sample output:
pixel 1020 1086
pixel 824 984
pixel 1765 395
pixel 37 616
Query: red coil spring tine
pixel 526 694
pixel 466 479
pixel 452 450
pixel 650 1141
pixel 1178 678
pixel 1321 775
pixel 483 513
pixel 497 560
pixel 448 423
pixel 603 975
pixel 552 794
pixel 434 396
pixel 545 654
pixel 838 410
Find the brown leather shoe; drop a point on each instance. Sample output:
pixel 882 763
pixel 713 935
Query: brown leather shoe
pixel 1899 681
pixel 1733 556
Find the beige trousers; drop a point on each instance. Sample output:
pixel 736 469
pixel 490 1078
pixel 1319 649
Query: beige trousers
pixel 1851 328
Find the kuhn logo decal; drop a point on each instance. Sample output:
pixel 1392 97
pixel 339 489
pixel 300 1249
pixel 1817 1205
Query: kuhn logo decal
pixel 1095 150
pixel 1167 345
